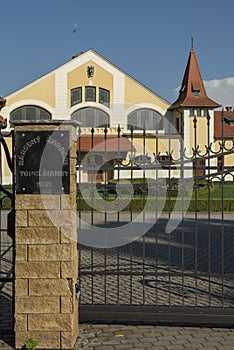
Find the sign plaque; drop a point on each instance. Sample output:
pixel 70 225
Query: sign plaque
pixel 42 162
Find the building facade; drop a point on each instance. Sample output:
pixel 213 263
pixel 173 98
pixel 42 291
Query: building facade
pixel 105 100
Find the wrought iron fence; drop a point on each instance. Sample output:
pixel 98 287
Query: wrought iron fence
pixel 7 239
pixel 155 230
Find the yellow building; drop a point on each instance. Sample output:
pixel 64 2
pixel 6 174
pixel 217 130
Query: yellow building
pixel 92 91
pixel 99 95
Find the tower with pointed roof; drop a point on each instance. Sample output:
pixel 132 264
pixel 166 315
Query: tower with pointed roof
pixel 193 105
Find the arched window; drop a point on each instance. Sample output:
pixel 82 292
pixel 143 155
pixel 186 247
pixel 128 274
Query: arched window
pixel 145 118
pixel 29 113
pixel 91 117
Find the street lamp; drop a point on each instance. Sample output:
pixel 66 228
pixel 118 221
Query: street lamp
pixel 3 121
pixel 3 125
pixel 2 102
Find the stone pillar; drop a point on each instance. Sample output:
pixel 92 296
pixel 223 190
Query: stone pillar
pixel 46 266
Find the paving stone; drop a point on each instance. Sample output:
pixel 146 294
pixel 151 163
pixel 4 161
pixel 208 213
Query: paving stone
pixel 103 347
pixel 146 338
pixel 142 337
pixel 174 347
pixel 103 337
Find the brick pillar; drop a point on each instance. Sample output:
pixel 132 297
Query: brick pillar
pixel 46 266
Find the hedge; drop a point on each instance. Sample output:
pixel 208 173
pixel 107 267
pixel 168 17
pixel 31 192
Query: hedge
pixel 137 205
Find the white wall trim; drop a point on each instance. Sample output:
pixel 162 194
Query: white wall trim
pixel 152 106
pixel 84 58
pixel 90 104
pixel 21 103
pixel 61 110
pixel 6 111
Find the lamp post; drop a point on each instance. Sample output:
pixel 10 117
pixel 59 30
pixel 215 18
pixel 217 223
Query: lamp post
pixel 3 121
pixel 2 102
pixel 3 125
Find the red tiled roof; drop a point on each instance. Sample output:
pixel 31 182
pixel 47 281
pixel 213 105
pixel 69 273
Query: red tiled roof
pixel 228 130
pixel 192 81
pixel 101 144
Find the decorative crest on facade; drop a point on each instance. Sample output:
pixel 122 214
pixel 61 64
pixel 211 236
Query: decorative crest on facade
pixel 90 71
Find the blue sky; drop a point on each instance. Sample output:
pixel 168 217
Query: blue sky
pixel 148 39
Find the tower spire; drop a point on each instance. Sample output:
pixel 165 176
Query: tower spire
pixel 192 92
pixel 192 43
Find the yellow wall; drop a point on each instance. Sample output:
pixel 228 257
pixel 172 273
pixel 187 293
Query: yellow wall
pixel 7 171
pixel 201 134
pixel 154 146
pixel 228 159
pixel 136 93
pixel 43 90
pixel 78 77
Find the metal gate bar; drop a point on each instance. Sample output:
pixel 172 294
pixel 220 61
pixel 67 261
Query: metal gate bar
pixel 184 275
pixel 7 244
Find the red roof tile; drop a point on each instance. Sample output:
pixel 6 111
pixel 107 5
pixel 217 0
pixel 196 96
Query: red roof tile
pixel 100 143
pixel 228 130
pixel 192 81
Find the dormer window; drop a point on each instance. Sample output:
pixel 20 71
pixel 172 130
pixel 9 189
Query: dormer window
pixel 196 87
pixel 229 120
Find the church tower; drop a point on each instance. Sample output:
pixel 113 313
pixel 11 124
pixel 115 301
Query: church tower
pixel 194 110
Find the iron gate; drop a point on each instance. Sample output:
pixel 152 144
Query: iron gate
pixel 7 237
pixel 181 269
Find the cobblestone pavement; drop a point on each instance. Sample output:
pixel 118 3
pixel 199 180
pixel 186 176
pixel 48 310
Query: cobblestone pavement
pixel 184 268
pixel 119 337
pixel 195 247
pixel 127 337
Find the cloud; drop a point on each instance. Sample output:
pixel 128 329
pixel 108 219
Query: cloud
pixel 220 90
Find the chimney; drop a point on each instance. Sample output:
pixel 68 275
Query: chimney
pixel 229 109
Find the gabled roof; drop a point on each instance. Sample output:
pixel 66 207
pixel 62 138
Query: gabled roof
pixel 192 91
pixel 121 70
pixel 93 55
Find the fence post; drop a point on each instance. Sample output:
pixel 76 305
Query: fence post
pixel 46 262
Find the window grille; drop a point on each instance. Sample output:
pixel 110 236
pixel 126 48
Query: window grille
pixel 90 93
pixel 76 96
pixel 104 97
pixel 91 117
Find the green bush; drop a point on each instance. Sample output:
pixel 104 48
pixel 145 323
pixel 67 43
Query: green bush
pixel 138 204
pixel 155 197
